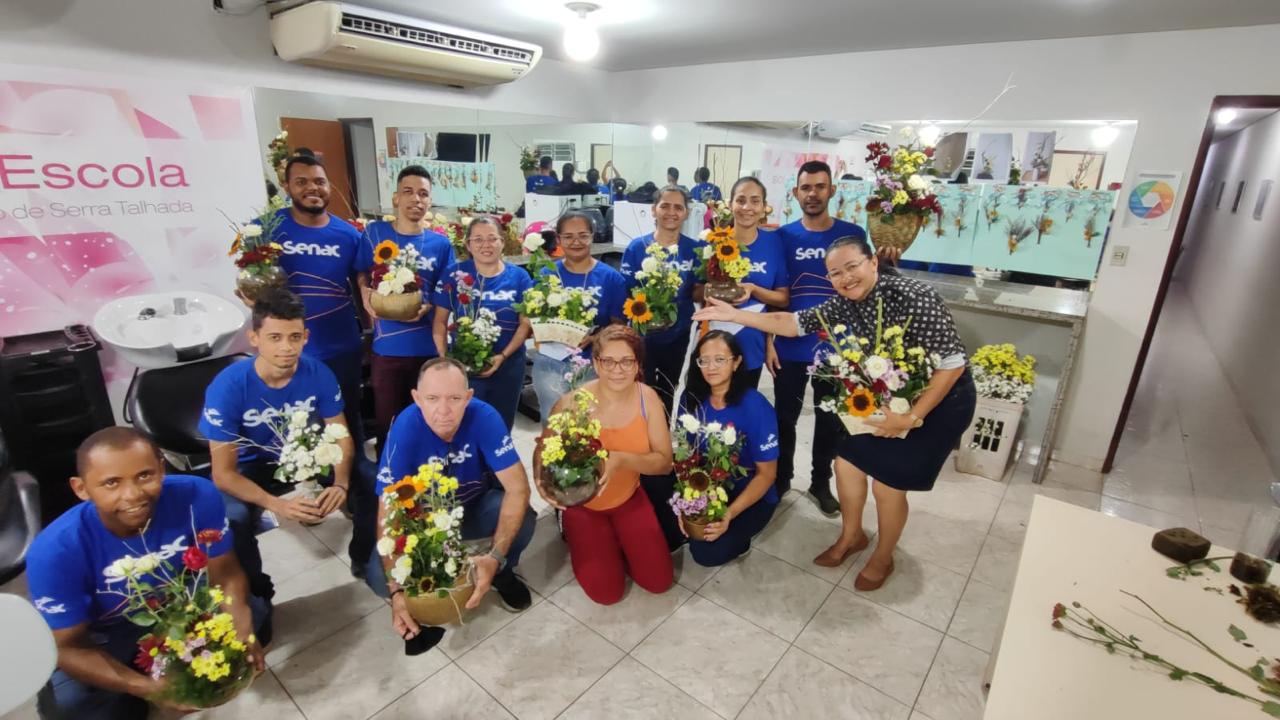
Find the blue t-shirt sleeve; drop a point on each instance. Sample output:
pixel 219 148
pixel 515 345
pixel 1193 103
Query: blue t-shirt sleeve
pixel 614 295
pixel 762 432
pixel 328 392
pixel 493 439
pixel 211 514
pixel 631 259
pixel 58 581
pixel 397 456
pixel 220 419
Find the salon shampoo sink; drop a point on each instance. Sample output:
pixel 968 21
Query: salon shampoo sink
pixel 167 328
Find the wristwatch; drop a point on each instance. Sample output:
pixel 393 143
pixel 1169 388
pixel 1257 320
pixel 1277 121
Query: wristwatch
pixel 916 421
pixel 502 559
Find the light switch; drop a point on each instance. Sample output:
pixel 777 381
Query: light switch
pixel 1120 255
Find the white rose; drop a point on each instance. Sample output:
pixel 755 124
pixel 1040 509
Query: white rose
pixel 900 406
pixel 556 299
pixel 649 265
pixel 689 423
pixel 328 454
pixel 146 564
pixel 401 574
pixel 251 230
pixel 730 435
pixel 335 432
pixel 384 288
pixel 834 359
pixel 386 546
pixel 712 428
pixel 915 182
pixel 708 251
pixel 706 233
pixel 532 241
pixel 404 276
pixel 465 221
pixel 120 568
pixel 443 521
pixel 875 366
pixel 451 567
pixel 299 419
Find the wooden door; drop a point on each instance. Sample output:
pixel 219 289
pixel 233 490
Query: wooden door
pixel 725 164
pixel 328 141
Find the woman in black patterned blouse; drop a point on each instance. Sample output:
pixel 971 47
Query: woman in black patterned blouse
pixel 896 465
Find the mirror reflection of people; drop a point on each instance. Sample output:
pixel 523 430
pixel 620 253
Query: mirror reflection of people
pixel 767 285
pixel 577 269
pixel 541 177
pixel 673 178
pixel 718 392
pixel 936 420
pixel 616 533
pixel 805 242
pixel 400 348
pixel 704 190
pixel 128 507
pixel 593 178
pixel 498 286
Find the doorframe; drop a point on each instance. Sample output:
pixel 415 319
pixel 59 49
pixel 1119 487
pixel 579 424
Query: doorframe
pixel 1175 249
pixel 706 158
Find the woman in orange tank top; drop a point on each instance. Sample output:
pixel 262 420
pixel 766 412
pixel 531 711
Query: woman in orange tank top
pixel 617 533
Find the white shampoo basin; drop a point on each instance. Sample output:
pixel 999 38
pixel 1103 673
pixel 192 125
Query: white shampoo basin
pixel 167 328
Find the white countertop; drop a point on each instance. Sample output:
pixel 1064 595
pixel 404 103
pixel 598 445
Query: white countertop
pixel 1073 554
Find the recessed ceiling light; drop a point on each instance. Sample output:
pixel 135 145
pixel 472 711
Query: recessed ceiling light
pixel 929 134
pixel 581 41
pixel 1225 116
pixel 1104 136
pixel 659 132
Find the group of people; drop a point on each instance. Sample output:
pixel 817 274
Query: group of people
pixel 544 180
pixel 428 407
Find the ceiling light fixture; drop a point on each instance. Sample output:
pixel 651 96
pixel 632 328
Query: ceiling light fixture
pixel 1225 116
pixel 1103 136
pixel 581 41
pixel 659 132
pixel 929 135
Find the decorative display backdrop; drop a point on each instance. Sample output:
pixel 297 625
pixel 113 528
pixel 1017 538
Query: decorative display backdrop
pixel 454 184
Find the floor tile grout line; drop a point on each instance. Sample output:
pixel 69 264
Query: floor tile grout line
pixel 335 631
pixel 416 685
pixel 483 688
pixel 286 692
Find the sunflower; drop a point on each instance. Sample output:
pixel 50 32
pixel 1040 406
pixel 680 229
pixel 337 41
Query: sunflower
pixel 386 251
pixel 861 403
pixel 636 308
pixel 727 250
pixel 404 491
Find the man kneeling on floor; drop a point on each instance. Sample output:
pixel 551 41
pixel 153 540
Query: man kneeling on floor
pixel 130 509
pixel 446 425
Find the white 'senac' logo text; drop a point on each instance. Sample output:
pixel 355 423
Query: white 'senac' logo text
pixel 300 248
pixel 810 253
pixel 254 417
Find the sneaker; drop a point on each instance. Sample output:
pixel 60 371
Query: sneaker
pixel 825 502
pixel 512 591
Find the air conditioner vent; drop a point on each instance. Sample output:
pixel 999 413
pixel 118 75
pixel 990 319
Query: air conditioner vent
pixel 429 38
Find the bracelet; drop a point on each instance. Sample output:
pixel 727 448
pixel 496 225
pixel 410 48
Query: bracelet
pixel 393 592
pixel 343 488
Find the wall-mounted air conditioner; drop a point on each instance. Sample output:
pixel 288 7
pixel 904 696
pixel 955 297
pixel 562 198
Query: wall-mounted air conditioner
pixel 350 37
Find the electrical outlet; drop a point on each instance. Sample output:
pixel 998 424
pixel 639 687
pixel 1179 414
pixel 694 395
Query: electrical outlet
pixel 1120 255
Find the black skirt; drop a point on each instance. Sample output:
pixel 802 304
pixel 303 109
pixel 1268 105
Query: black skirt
pixel 913 462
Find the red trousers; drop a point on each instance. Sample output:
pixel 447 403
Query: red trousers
pixel 607 545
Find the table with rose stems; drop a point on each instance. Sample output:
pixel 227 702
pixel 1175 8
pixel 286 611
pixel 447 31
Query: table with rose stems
pixel 1074 554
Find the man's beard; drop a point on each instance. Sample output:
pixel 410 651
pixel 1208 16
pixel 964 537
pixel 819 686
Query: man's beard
pixel 312 210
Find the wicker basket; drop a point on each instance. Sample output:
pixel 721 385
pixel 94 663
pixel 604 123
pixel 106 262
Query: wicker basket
pixel 431 609
pixel 396 306
pixel 560 331
pixel 987 443
pixel 899 233
pixel 858 426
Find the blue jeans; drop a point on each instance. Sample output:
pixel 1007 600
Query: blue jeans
pixel 549 383
pixel 361 501
pixel 502 389
pixel 65 697
pixel 479 520
pixel 737 540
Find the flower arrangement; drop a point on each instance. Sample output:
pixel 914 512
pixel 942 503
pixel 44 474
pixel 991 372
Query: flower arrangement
pixel 724 264
pixel 871 374
pixel 397 289
pixel 423 536
pixel 901 198
pixel 278 154
pixel 257 254
pixel 192 644
pixel 706 463
pixel 557 314
pixel 572 455
pixel 578 372
pixel 652 305
pixel 475 329
pixel 308 451
pixel 1000 374
pixel 528 159
pixel 1016 231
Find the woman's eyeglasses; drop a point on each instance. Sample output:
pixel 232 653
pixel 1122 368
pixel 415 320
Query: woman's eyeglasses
pixel 718 361
pixel 575 237
pixel 850 269
pixel 609 363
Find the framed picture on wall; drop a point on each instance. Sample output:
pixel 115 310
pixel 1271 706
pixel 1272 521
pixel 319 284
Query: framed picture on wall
pixel 1235 204
pixel 1077 168
pixel 1263 190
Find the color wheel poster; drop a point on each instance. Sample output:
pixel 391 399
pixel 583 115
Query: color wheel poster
pixel 1150 202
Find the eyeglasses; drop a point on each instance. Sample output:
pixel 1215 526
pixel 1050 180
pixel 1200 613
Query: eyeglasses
pixel 575 238
pixel 491 240
pixel 718 361
pixel 851 268
pixel 609 363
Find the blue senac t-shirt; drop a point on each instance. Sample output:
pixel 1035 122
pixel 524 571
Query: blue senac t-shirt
pixel 806 265
pixel 392 338
pixel 686 261
pixel 703 192
pixel 754 417
pixel 768 270
pixel 320 263
pixel 238 404
pixel 532 182
pixel 67 564
pixel 481 444
pixel 498 293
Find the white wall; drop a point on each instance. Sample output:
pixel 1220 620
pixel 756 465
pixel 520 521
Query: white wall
pixel 1165 81
pixel 1229 269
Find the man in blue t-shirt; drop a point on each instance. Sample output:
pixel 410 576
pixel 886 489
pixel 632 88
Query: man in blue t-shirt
pixel 74 573
pixel 704 190
pixel 243 409
pixel 542 177
pixel 400 348
pixel 446 425
pixel 805 242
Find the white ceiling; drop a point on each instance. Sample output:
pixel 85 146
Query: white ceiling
pixel 639 34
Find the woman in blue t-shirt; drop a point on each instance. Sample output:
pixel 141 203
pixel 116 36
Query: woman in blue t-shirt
pixel 719 391
pixel 767 285
pixel 498 286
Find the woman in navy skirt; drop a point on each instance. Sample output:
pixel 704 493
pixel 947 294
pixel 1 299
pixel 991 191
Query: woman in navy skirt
pixel 937 418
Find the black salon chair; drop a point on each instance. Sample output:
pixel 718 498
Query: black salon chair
pixel 597 222
pixel 19 517
pixel 165 403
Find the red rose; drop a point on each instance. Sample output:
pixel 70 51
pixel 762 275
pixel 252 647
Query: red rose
pixel 464 299
pixel 208 537
pixel 195 558
pixel 885 162
pixel 507 217
pixel 822 335
pixel 879 387
pixel 928 152
pixel 153 603
pixel 719 474
pixel 453 327
pixel 848 385
pixel 734 458
pixel 400 543
pixel 468 280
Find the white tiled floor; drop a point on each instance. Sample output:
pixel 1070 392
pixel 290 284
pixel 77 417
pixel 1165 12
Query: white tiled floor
pixel 770 635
